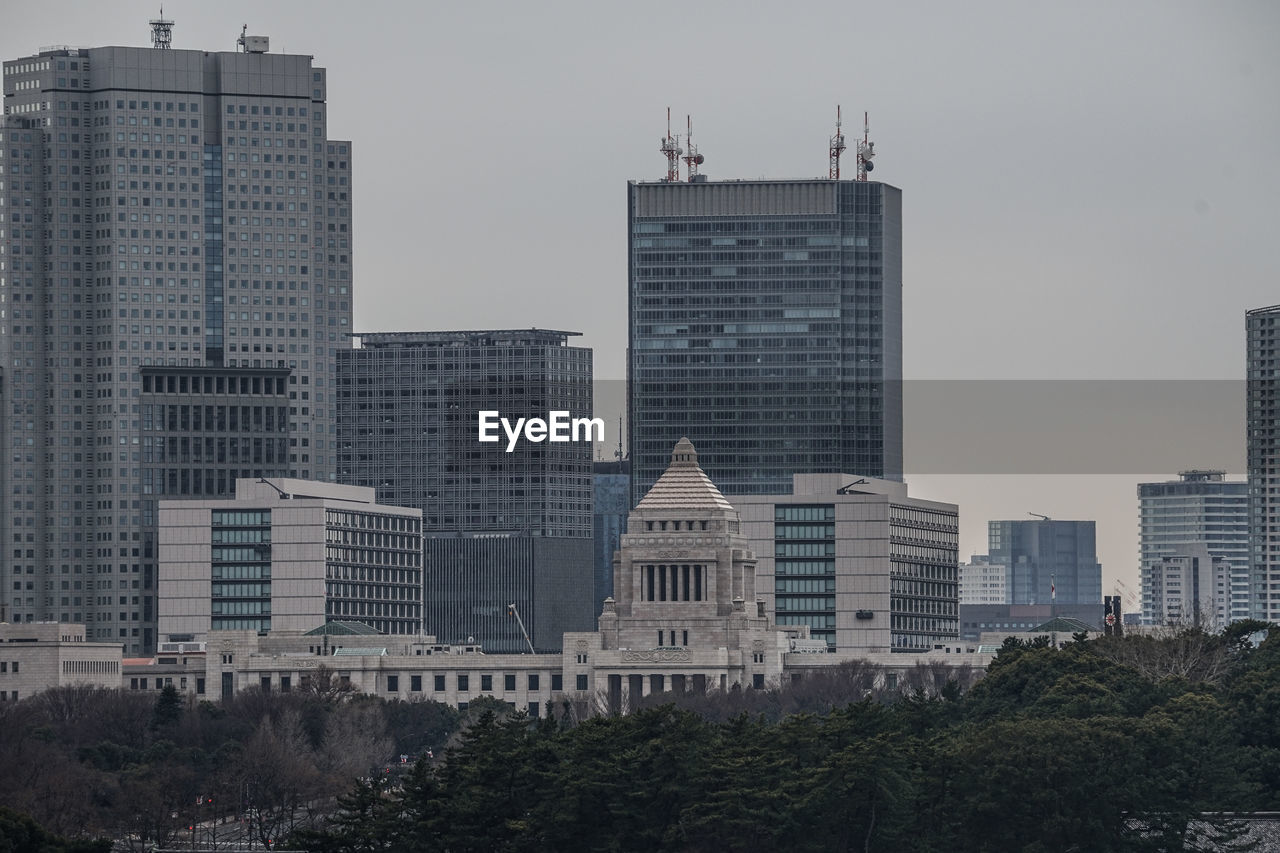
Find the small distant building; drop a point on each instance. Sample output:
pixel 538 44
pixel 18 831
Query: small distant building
pixel 287 555
pixel 1189 589
pixel 983 581
pixel 978 620
pixel 36 656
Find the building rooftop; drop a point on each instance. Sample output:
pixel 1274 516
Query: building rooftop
pixel 479 337
pixel 684 485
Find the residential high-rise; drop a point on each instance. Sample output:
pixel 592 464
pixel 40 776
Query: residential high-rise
pixel 501 527
pixel 1176 517
pixel 176 236
pixel 288 555
pixel 867 568
pixel 766 325
pixel 1261 327
pixel 1048 561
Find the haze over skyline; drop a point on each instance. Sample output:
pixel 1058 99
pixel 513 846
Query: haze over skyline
pixel 1088 189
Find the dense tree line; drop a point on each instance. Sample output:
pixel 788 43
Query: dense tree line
pixel 158 769
pixel 1104 745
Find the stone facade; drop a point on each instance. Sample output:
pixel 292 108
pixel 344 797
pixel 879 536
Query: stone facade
pixel 35 656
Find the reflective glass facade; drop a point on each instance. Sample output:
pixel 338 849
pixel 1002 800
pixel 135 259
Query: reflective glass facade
pixel 765 325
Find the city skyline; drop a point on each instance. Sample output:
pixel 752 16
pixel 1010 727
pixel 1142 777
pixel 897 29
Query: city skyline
pixel 1150 136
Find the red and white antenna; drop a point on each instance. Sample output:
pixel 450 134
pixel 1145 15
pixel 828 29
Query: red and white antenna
pixel 837 148
pixel 693 159
pixel 866 150
pixel 669 146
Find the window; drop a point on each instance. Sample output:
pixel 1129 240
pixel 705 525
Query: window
pixel 439 684
pixel 533 709
pixel 486 684
pixel 464 683
pixel 757 681
pixel 415 683
pixel 582 682
pixel 533 681
pixel 393 683
pixel 557 681
pixel 509 682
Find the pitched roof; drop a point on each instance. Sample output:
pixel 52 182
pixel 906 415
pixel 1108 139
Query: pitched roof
pixel 1063 625
pixel 342 629
pixel 684 485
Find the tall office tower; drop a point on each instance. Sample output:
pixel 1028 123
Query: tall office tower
pixel 1176 517
pixel 1044 555
pixel 1261 326
pixel 766 325
pixel 176 273
pixel 501 527
pixel 612 503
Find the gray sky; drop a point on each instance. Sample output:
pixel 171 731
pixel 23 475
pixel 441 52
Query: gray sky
pixel 1090 188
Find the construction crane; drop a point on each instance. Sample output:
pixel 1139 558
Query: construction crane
pixel 512 611
pixel 1040 516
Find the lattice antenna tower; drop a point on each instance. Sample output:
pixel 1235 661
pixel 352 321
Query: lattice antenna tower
pixel 866 150
pixel 692 160
pixel 161 32
pixel 669 146
pixel 836 149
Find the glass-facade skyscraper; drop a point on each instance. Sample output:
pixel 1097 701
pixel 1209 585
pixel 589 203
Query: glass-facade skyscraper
pixel 765 325
pixel 1261 327
pixel 1047 561
pixel 175 277
pixel 500 527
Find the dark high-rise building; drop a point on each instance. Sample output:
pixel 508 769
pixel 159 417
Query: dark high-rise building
pixel 765 325
pixel 1261 328
pixel 1045 554
pixel 500 527
pixel 612 501
pixel 175 266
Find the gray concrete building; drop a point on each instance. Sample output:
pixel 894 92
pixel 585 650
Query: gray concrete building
pixel 502 526
pixel 765 323
pixel 1263 372
pixel 36 656
pixel 865 567
pixel 1049 561
pixel 1200 510
pixel 1190 588
pixel 288 555
pixel 175 240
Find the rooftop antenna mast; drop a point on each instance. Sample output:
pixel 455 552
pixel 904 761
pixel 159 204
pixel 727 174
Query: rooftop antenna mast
pixel 243 41
pixel 161 32
pixel 618 454
pixel 693 159
pixel 670 148
pixel 837 148
pixel 866 150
